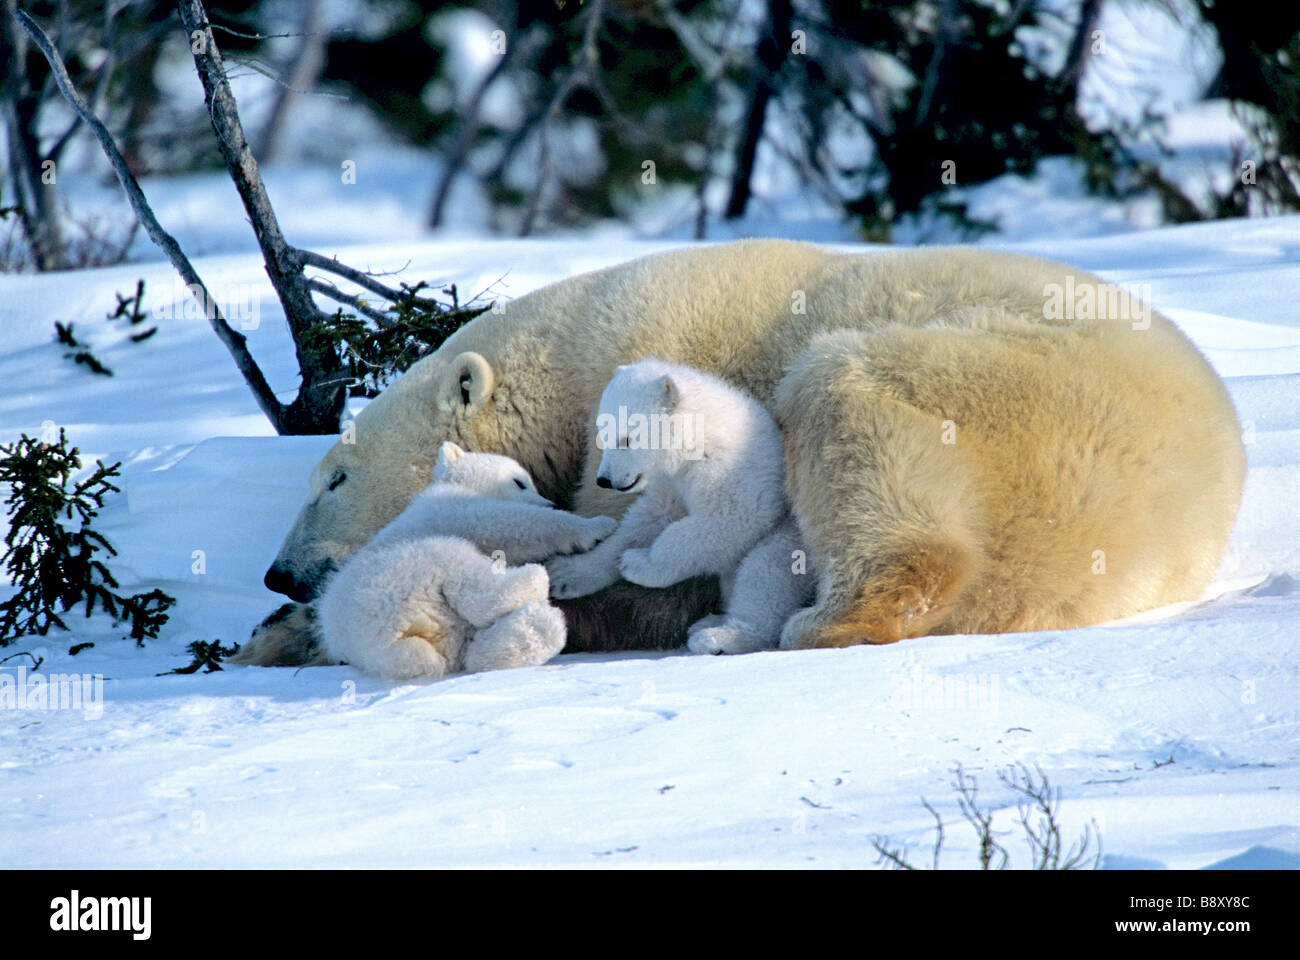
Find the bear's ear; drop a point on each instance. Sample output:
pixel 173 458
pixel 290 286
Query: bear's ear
pixel 669 388
pixel 472 380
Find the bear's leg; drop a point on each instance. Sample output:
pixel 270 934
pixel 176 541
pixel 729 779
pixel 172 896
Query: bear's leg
pixel 383 611
pixel 531 635
pixel 771 584
pixel 483 591
pixel 905 595
pixel 887 503
pixel 628 617
pixel 694 546
pixel 526 533
pixel 585 573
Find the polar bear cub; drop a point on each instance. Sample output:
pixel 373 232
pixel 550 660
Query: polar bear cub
pixel 422 599
pixel 709 464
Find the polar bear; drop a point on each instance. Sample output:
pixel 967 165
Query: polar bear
pixel 708 462
pixel 421 599
pixel 429 606
pixel 976 440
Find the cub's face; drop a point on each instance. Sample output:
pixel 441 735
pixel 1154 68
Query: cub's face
pixel 637 428
pixel 492 475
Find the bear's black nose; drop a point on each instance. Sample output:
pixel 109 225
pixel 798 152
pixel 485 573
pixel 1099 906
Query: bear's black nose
pixel 279 581
pixel 603 482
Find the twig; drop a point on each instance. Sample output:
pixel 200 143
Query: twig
pixel 938 828
pixel 273 36
pixel 359 277
pixel 36 661
pixel 337 295
pixel 895 857
pixel 981 821
pixel 258 67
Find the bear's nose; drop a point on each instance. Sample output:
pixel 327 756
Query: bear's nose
pixel 603 482
pixel 279 581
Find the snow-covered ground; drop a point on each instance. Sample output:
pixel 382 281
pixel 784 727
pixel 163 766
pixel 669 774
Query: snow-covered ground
pixel 1177 733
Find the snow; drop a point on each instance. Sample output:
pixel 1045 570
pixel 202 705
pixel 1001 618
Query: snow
pixel 1176 731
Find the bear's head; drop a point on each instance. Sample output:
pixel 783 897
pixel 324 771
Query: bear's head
pixel 382 461
pixel 488 474
pixel 641 429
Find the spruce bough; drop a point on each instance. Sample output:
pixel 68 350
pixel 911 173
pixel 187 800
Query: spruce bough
pixel 57 565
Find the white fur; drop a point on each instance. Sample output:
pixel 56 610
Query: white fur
pixel 423 600
pixel 771 584
pixel 477 496
pixel 1119 433
pixel 712 485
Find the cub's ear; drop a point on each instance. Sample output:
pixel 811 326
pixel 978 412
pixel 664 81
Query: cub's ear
pixel 472 381
pixel 448 454
pixel 669 389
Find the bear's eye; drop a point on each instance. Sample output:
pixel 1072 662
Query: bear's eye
pixel 338 479
pixel 520 484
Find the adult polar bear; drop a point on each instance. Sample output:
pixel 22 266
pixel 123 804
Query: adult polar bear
pixel 976 441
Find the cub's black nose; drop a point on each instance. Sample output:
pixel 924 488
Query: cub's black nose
pixel 279 581
pixel 603 482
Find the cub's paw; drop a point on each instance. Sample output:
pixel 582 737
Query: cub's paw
pixel 724 639
pixel 527 584
pixel 712 620
pixel 636 567
pixel 801 630
pixel 525 637
pixel 594 530
pixel 573 577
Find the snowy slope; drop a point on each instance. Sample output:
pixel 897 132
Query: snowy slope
pixel 791 759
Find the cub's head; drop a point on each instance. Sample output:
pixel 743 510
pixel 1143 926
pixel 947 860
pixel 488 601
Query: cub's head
pixel 641 429
pixel 489 474
pixel 383 460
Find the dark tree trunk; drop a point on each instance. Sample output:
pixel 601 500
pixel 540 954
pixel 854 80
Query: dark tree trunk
pixel 1076 58
pixel 37 201
pixel 770 53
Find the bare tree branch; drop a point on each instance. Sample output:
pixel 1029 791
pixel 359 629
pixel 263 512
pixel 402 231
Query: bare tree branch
pixel 470 118
pixel 356 303
pixel 34 195
pixel 305 65
pixel 361 278
pixel 235 342
pixel 580 72
pixel 318 405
